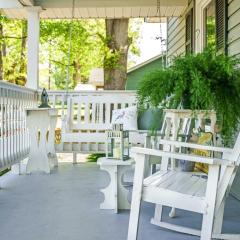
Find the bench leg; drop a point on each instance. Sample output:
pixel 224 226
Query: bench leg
pixel 74 158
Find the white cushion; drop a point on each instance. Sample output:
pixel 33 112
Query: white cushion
pixel 126 116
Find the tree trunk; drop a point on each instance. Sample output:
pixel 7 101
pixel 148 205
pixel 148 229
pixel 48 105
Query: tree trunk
pixel 23 44
pixel 49 71
pixel 115 67
pixel 23 66
pixel 76 73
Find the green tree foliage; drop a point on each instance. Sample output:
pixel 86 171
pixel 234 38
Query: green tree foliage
pixel 88 48
pixel 13 50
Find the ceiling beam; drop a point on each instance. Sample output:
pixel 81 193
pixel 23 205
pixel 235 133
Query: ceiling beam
pixel 108 3
pixel 10 4
pixel 27 3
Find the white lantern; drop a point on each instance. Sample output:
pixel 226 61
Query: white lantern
pixel 117 145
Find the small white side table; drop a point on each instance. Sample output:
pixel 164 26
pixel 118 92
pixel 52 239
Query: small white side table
pixel 42 155
pixel 115 193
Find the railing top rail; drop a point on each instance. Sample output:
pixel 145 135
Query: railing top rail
pixel 91 92
pixel 7 85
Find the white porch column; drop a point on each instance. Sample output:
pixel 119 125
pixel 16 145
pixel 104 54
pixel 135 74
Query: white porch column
pixel 33 47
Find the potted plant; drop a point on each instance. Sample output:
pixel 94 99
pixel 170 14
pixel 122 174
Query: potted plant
pixel 149 105
pixel 150 119
pixel 206 81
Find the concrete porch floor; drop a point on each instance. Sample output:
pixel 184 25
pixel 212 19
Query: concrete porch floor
pixel 65 206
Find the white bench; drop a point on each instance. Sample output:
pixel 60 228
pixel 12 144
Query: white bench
pixel 88 118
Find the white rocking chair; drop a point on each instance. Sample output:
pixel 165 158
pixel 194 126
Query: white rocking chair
pixel 185 190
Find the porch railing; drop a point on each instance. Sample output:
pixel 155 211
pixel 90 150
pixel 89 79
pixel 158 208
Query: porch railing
pixel 58 99
pixel 14 138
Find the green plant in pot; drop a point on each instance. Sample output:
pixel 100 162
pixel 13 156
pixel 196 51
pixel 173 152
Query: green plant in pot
pixel 150 119
pixel 206 81
pixel 149 107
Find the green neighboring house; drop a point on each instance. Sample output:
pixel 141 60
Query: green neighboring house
pixel 136 73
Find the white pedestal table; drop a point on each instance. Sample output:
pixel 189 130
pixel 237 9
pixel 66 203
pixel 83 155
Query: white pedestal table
pixel 115 193
pixel 41 123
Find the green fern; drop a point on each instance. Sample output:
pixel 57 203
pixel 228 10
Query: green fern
pixel 94 157
pixel 206 80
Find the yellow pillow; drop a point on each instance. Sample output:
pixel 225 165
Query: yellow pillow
pixel 204 139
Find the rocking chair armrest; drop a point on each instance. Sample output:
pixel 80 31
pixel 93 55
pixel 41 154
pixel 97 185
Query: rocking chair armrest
pixel 195 146
pixel 139 131
pixel 142 132
pixel 182 156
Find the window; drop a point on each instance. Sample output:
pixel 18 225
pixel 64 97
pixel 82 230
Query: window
pixel 189 32
pixel 210 25
pixel 221 25
pixel 215 25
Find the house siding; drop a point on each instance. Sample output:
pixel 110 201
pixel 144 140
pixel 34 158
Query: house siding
pixel 175 37
pixel 176 32
pixel 234 28
pixel 136 76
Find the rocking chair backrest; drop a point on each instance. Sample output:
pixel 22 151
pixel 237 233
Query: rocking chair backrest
pixel 179 122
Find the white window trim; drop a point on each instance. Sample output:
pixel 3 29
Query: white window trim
pixel 199 35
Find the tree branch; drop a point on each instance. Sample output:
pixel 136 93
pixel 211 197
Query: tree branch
pixel 13 37
pixel 66 65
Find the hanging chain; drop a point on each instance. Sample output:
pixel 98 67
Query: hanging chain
pixel 158 6
pixel 161 34
pixel 69 50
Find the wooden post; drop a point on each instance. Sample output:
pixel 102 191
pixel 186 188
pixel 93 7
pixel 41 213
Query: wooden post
pixel 33 47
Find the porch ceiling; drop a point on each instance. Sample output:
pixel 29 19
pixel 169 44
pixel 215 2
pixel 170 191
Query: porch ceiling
pixel 96 8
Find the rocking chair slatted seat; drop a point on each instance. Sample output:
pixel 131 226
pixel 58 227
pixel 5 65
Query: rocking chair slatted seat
pixel 197 192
